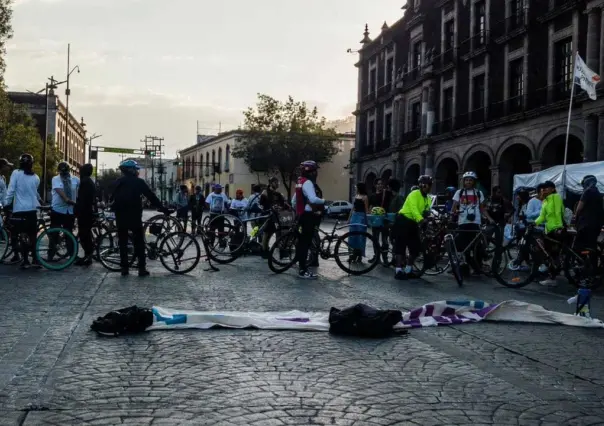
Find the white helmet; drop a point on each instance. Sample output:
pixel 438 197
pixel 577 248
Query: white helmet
pixel 470 175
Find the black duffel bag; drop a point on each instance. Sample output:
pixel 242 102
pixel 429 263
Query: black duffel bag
pixel 364 321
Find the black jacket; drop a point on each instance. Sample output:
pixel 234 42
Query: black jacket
pixel 86 197
pixel 127 193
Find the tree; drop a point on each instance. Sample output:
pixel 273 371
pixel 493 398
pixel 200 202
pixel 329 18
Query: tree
pixel 277 136
pixel 6 33
pixel 106 181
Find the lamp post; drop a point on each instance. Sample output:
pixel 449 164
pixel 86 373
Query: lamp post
pixel 90 139
pixel 67 93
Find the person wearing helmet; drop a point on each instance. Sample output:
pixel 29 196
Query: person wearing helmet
pixel 127 204
pixel 84 210
pixel 196 204
pixel 449 193
pixel 271 198
pixel 218 203
pixel 406 228
pixel 23 199
pixel 64 195
pixel 589 214
pixel 308 207
pixel 380 201
pixel 469 205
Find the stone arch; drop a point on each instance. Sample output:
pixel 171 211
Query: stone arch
pixel 412 172
pixel 515 140
pixel 473 150
pixel 558 131
pixel 480 160
pixel 370 171
pixel 446 156
pixel 370 181
pixel 385 172
pixel 446 173
pixel 514 159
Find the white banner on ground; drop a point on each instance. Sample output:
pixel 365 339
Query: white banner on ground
pixel 432 314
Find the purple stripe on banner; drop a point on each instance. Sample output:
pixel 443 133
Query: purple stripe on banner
pixel 416 313
pixel 486 311
pixel 448 311
pixel 415 323
pixel 294 319
pixel 429 310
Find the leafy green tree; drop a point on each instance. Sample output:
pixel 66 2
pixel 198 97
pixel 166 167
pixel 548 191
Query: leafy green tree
pixel 6 33
pixel 277 136
pixel 105 182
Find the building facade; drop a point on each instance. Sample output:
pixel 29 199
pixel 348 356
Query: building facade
pixel 481 85
pixel 210 161
pixel 70 137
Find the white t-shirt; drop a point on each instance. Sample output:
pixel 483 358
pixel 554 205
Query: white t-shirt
pixel 469 204
pixel 23 192
pixel 217 202
pixel 3 190
pixel 57 203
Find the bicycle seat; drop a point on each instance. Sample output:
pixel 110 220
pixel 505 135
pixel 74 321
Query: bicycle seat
pixel 45 208
pixel 170 211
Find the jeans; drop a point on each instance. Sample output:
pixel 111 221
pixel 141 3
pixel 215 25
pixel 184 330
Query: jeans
pixel 127 223
pixel 307 222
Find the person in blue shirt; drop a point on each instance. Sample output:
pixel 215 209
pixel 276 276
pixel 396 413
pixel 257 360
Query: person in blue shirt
pixel 449 193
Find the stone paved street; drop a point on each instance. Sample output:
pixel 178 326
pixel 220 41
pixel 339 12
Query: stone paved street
pixel 54 370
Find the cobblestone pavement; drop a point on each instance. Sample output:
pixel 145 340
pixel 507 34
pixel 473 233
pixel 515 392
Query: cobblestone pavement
pixel 53 370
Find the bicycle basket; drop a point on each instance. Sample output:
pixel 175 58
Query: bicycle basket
pixel 286 219
pixel 155 229
pixel 375 221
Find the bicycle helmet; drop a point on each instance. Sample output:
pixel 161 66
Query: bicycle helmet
pixel 63 167
pixel 129 165
pixel 450 189
pixel 26 160
pixel 378 211
pixel 470 175
pixel 425 180
pixel 589 181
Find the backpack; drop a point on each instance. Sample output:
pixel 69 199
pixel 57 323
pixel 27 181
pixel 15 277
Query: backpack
pixel 364 321
pixel 123 321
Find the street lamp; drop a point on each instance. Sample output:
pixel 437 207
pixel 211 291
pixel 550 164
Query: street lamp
pixel 90 139
pixel 67 93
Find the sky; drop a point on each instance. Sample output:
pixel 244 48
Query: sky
pixel 158 67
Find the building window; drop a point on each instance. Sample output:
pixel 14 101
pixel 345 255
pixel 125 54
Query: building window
pixel 516 84
pixel 449 35
pixel 219 160
pixel 478 93
pixel 213 160
pixel 389 70
pixel 416 116
pixel 448 104
pixel 227 161
pixel 563 58
pixel 517 12
pixel 388 128
pixel 372 80
pixel 371 130
pixel 479 23
pixel 417 56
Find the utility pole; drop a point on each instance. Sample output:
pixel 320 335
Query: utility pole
pixel 152 149
pixel 67 94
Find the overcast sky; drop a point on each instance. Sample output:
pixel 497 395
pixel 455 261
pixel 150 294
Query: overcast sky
pixel 155 67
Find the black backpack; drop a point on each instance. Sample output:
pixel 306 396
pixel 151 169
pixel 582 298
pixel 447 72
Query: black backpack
pixel 123 321
pixel 364 321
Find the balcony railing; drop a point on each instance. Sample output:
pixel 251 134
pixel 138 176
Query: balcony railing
pixel 411 136
pixel 515 104
pixel 383 145
pixel 477 116
pixel 368 149
pixel 444 126
pixel 479 40
pixel 515 22
pixel 369 98
pixel 447 57
pixel 207 173
pixel 384 90
pixel 561 91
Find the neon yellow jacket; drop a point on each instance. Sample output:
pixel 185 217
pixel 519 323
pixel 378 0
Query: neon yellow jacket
pixel 415 206
pixel 552 213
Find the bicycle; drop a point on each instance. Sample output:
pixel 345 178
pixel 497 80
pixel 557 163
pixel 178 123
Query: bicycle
pixel 321 246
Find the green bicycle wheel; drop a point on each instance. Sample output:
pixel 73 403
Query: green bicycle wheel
pixel 56 249
pixel 4 243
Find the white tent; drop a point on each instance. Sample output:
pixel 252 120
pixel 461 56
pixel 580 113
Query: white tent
pixel 574 174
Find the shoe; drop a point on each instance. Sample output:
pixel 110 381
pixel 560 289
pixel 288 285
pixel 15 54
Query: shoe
pixel 307 275
pixel 125 272
pixel 83 261
pixel 143 273
pixel 25 264
pixel 548 283
pixel 412 275
pixel 400 275
pixel 36 264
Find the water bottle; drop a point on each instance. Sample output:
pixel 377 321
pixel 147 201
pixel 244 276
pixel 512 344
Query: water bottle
pixel 254 231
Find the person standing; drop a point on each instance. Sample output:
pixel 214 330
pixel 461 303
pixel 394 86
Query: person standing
pixel 358 222
pixel 128 207
pixel 22 196
pixel 380 202
pixel 218 203
pixel 589 214
pixel 84 210
pixel 5 166
pixel 269 199
pixel 182 206
pixel 196 204
pixel 308 207
pixel 64 195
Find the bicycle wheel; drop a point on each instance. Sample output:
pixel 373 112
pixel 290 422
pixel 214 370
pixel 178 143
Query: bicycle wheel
pixel 108 251
pixel 4 244
pixel 56 249
pixel 160 225
pixel 453 258
pixel 282 254
pixel 177 248
pixel 510 274
pixel 97 232
pixel 221 239
pixel 357 252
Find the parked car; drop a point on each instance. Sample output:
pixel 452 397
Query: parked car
pixel 338 208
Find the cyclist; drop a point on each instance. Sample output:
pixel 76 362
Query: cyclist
pixel 23 196
pixel 196 204
pixel 552 214
pixel 406 228
pixel 308 207
pixel 218 204
pixel 64 195
pixel 271 198
pixel 127 192
pixel 449 193
pixel 468 203
pixel 84 209
pixel 378 205
pixel 589 214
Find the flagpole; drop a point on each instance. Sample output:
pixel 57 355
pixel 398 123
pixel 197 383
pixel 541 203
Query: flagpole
pixel 570 110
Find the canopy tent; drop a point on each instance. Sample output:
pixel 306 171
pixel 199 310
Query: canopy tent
pixel 574 174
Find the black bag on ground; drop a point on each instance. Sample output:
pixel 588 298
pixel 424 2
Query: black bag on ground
pixel 122 321
pixel 364 321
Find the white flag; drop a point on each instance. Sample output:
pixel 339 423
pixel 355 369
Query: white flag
pixel 586 78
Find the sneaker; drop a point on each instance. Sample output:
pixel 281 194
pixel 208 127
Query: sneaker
pixel 143 273
pixel 25 264
pixel 83 261
pixel 125 272
pixel 400 275
pixel 307 275
pixel 548 283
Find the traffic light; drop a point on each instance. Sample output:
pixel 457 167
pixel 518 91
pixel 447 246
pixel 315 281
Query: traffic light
pixel 149 153
pixel 94 155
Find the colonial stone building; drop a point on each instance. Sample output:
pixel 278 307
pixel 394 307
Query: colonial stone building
pixel 481 85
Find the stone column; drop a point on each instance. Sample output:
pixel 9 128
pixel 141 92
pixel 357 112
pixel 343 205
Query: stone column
pixel 424 111
pixel 537 166
pixel 591 138
pixel 600 151
pixel 593 39
pixel 422 164
pixel 430 163
pixel 430 112
pixel 494 177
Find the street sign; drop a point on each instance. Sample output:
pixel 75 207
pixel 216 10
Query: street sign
pixel 117 150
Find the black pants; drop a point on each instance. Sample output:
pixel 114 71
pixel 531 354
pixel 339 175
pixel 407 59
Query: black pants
pixel 406 237
pixel 307 222
pixel 469 231
pixel 25 223
pixel 130 224
pixel 85 233
pixel 64 221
